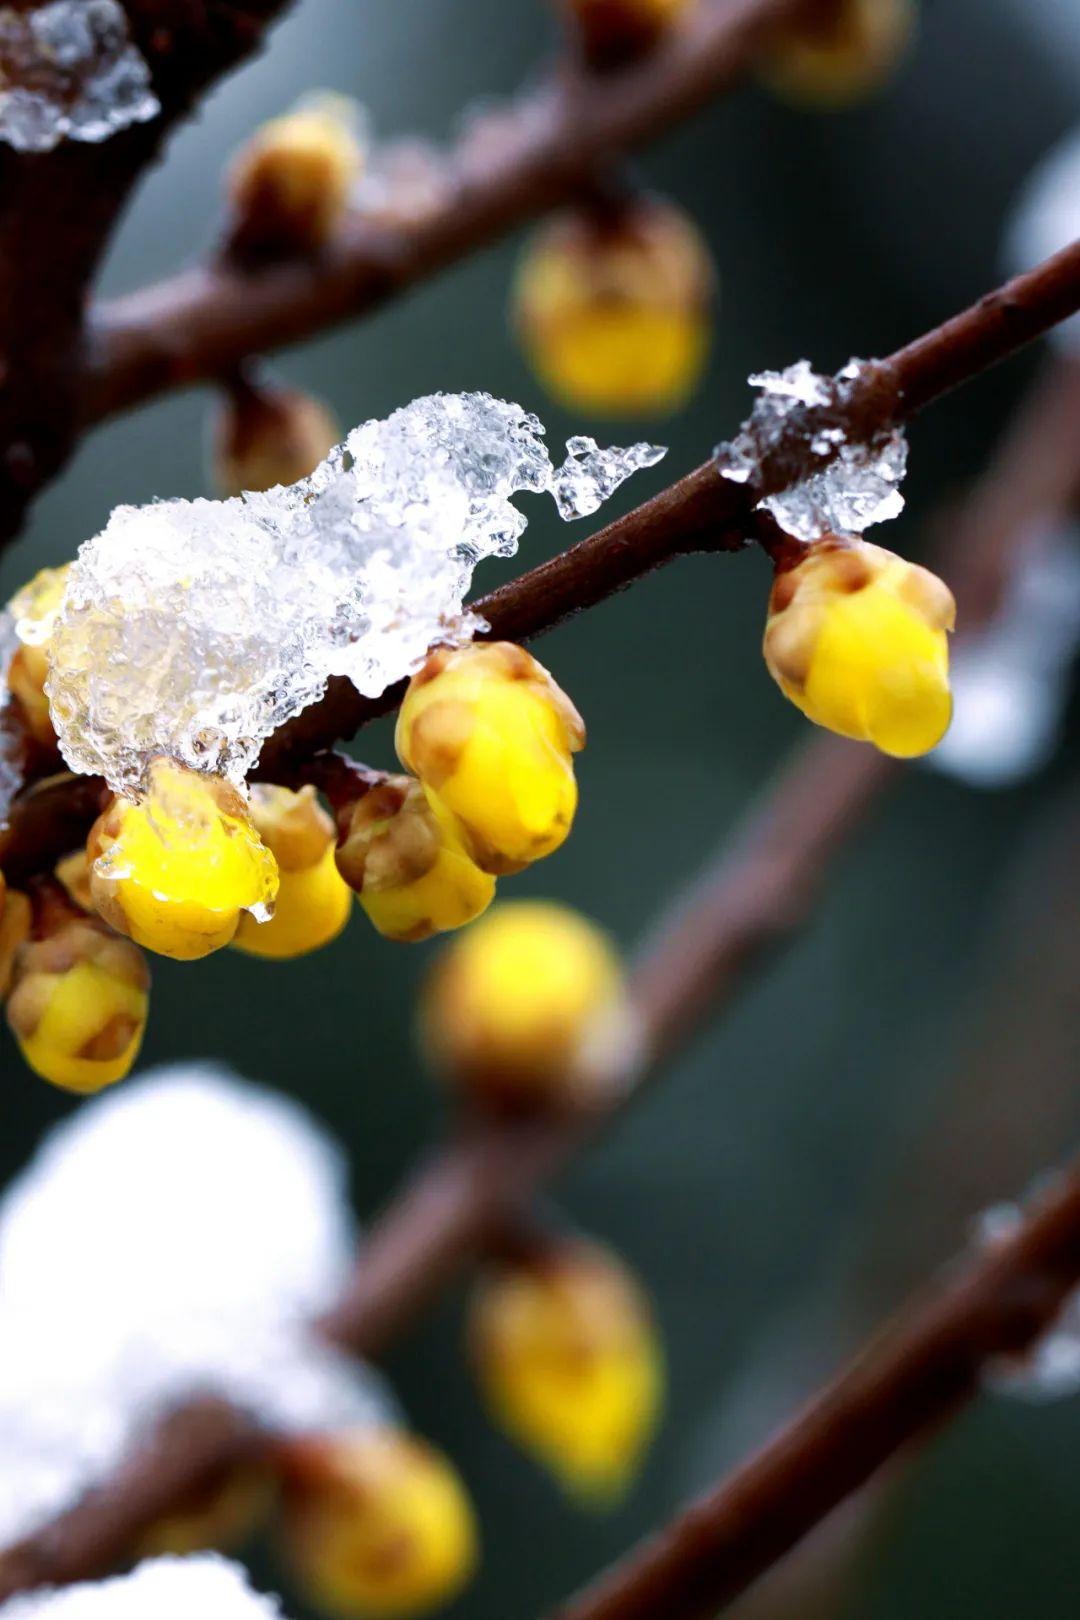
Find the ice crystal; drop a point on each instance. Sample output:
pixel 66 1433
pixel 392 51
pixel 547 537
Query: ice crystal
pixel 196 628
pixel 167 1588
pixel 169 1240
pixel 1047 218
pixel 69 71
pixel 859 484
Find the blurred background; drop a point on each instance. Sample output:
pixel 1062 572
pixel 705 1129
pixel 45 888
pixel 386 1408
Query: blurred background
pixel 815 1150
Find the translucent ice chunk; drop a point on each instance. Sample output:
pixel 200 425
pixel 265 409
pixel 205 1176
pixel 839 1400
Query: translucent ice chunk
pixel 166 1588
pixel 196 628
pixel 1047 218
pixel 69 71
pixel 860 483
pixel 171 1239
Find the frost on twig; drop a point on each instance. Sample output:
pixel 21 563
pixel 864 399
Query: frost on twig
pixel 165 1588
pixel 69 71
pixel 859 481
pixel 169 1241
pixel 196 628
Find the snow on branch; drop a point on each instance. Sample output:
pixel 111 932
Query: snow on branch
pixel 167 1588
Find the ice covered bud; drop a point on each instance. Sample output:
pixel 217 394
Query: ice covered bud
pixel 289 186
pixel 15 916
pixel 837 53
pixel 34 611
pixel 404 854
pixel 612 306
pixel 176 870
pixel 529 1009
pixel 491 737
pixel 569 1362
pixel 377 1523
pixel 616 31
pixel 264 436
pixel 313 903
pixel 78 999
pixel 857 639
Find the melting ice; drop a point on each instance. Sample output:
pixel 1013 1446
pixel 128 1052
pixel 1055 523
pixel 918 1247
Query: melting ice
pixel 196 628
pixel 167 1588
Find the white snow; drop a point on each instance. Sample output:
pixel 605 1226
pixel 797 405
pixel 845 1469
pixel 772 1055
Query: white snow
pixel 165 1588
pixel 68 71
pixel 172 1238
pixel 196 628
pixel 1047 218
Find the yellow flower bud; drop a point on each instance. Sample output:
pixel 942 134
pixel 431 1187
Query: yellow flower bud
pixel 175 871
pixel 78 1000
pixel 267 436
pixel 313 902
pixel 15 920
pixel 403 853
pixel 490 735
pixel 569 1363
pixel 377 1523
pixel 221 1517
pixel 34 611
pixel 618 31
pixel 856 638
pixel 612 307
pixel 289 186
pixel 840 54
pixel 529 1007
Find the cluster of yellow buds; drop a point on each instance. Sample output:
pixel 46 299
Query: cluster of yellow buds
pixel 489 738
pixel 34 608
pixel 616 31
pixel 77 996
pixel 313 902
pixel 857 639
pixel 264 436
pixel 569 1362
pixel 289 186
pixel 376 1523
pixel 612 305
pixel 529 1009
pixel 839 52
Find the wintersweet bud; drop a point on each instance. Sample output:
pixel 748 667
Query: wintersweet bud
pixel 529 1008
pixel 569 1363
pixel 613 307
pixel 15 918
pixel 78 999
pixel 490 735
pixel 376 1522
pixel 289 186
pixel 33 609
pixel 73 875
pixel 404 855
pixel 617 31
pixel 220 1517
pixel 856 638
pixel 837 55
pixel 313 902
pixel 175 871
pixel 264 436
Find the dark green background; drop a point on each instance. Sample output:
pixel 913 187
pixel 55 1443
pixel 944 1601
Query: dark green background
pixel 757 1191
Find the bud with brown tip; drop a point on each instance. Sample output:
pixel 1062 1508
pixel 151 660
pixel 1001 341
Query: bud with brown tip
pixel 289 187
pixel 264 436
pixel 613 32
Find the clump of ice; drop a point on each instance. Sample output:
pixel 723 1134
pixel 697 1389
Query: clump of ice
pixel 1047 218
pixel 858 484
pixel 165 1588
pixel 170 1240
pixel 69 72
pixel 196 628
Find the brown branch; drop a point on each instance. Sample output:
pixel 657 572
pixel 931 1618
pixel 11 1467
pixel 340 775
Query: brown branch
pixel 527 158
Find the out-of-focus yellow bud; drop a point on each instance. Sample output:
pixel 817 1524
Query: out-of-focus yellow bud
pixel 856 638
pixel 15 919
pixel 313 902
pixel 175 871
pixel 617 31
pixel 78 999
pixel 403 854
pixel 529 1008
pixel 34 611
pixel 840 54
pixel 490 735
pixel 266 436
pixel 289 186
pixel 73 875
pixel 220 1518
pixel 570 1365
pixel 377 1523
pixel 612 307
